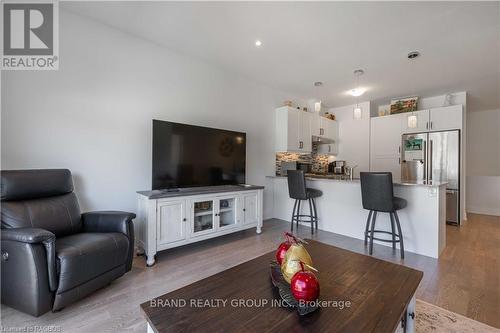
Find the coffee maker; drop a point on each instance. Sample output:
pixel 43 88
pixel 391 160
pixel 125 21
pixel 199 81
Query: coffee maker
pixel 336 167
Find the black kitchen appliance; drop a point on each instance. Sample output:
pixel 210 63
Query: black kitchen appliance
pixel 338 167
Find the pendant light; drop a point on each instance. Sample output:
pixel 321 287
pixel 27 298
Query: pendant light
pixel 317 107
pixel 412 120
pixel 317 104
pixel 357 112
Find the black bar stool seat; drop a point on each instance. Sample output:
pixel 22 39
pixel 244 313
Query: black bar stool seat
pixel 377 196
pixel 297 190
pixel 313 193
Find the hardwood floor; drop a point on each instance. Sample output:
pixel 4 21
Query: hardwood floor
pixel 465 279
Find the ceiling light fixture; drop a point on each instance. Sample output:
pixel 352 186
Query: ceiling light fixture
pixel 357 112
pixel 318 84
pixel 356 92
pixel 258 43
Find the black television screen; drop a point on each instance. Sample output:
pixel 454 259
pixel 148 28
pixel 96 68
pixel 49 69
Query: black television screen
pixel 188 156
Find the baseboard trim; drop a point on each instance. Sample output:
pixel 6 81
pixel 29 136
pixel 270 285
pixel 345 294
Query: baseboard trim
pixel 484 210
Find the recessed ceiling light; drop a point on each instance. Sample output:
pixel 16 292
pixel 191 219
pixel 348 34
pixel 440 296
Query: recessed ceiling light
pixel 318 84
pixel 356 92
pixel 413 55
pixel 258 43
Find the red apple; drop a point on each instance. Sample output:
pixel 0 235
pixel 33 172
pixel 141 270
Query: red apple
pixel 283 247
pixel 280 254
pixel 304 285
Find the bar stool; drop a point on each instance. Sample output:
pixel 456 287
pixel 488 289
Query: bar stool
pixel 377 196
pixel 297 190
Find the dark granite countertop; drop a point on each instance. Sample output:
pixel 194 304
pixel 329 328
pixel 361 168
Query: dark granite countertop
pixel 343 179
pixel 181 192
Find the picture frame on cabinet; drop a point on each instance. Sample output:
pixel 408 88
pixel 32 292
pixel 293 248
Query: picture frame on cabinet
pixel 404 104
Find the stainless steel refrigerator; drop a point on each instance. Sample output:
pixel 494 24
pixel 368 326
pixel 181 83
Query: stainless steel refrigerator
pixel 431 157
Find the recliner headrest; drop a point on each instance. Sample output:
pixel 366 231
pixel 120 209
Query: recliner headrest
pixel 32 184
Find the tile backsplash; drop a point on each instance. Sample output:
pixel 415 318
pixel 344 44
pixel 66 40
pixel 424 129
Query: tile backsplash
pixel 319 162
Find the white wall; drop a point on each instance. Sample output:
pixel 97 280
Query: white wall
pixel 354 136
pixel 94 115
pixel 483 162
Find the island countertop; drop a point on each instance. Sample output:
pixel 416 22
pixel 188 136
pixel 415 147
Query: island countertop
pixel 340 210
pixel 335 178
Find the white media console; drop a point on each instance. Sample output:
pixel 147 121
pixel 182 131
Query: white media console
pixel 168 219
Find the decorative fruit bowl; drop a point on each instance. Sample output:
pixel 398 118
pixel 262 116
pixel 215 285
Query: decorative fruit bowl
pixel 292 273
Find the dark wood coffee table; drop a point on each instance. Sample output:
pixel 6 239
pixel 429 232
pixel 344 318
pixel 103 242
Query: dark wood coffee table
pixel 381 296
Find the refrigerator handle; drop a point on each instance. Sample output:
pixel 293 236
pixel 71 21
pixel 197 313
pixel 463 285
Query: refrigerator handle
pixel 425 160
pixel 430 159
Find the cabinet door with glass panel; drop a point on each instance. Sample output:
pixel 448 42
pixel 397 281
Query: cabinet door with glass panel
pixel 203 215
pixel 227 213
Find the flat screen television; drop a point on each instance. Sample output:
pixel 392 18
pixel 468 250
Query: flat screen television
pixel 189 156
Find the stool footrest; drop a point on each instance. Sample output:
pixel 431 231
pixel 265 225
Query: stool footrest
pixel 368 234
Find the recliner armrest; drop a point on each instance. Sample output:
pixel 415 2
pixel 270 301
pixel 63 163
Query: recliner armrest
pixel 36 236
pixel 107 221
pixel 112 221
pixel 28 235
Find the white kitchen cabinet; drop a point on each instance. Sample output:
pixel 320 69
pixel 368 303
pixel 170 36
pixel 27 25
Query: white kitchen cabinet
pixel 387 164
pixel 386 135
pixel 317 125
pixel 330 130
pixel 446 118
pixel 422 122
pixel 328 149
pixel 175 213
pixel 305 136
pixel 293 130
pixel 385 144
pixel 324 128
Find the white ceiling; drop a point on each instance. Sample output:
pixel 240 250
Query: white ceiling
pixel 326 41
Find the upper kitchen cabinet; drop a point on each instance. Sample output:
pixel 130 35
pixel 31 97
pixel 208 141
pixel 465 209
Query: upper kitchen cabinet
pixel 421 124
pixel 328 149
pixel 385 144
pixel 293 130
pixel 446 118
pixel 324 128
pixel 386 135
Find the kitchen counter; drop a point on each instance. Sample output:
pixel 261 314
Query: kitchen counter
pixel 338 178
pixel 340 210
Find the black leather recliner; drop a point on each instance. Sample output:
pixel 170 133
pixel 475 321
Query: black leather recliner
pixel 51 254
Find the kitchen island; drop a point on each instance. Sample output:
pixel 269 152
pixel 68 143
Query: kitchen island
pixel 423 221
